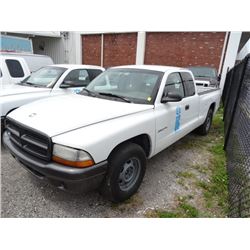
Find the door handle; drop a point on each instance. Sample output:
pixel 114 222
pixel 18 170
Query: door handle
pixel 187 107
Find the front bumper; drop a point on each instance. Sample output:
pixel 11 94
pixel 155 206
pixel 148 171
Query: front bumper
pixel 63 177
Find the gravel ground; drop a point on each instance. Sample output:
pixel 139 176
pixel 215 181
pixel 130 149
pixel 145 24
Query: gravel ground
pixel 22 195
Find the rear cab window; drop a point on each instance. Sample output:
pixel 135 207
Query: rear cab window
pixel 188 83
pixel 93 73
pixel 15 68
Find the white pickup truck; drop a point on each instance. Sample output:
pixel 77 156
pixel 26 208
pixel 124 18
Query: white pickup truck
pixel 102 137
pixel 47 81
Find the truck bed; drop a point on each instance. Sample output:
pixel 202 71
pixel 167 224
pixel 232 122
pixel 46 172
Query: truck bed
pixel 204 90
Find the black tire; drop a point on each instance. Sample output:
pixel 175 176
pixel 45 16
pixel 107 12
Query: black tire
pixel 128 158
pixel 205 127
pixel 2 128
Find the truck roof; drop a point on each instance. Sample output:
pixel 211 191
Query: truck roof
pixel 77 66
pixel 151 67
pixel 15 54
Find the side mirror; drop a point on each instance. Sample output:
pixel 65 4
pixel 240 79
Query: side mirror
pixel 171 97
pixel 219 77
pixel 70 84
pixel 66 84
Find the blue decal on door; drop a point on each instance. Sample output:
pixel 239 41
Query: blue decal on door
pixel 77 91
pixel 177 118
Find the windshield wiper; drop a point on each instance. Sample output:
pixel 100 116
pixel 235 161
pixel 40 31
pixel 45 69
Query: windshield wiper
pixel 89 92
pixel 34 85
pixel 116 96
pixel 21 83
pixel 29 83
pixel 26 83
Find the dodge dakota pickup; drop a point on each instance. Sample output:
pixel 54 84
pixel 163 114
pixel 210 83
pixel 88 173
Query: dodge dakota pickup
pixel 102 137
pixel 48 81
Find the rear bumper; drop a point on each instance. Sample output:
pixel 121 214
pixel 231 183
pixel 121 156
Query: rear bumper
pixel 63 177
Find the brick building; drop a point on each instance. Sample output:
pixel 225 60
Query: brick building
pixel 217 49
pixel 162 48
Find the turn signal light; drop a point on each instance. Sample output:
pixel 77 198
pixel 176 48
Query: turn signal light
pixel 77 164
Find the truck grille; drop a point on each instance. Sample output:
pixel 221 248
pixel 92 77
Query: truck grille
pixel 29 140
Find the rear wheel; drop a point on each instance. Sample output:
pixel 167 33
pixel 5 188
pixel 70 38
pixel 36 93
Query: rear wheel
pixel 205 127
pixel 127 166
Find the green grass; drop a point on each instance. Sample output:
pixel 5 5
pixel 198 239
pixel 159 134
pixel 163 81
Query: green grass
pixel 202 184
pixel 200 168
pixel 189 210
pixel 166 214
pixel 218 126
pixel 183 210
pixel 217 188
pixel 181 182
pixel 215 191
pixel 186 174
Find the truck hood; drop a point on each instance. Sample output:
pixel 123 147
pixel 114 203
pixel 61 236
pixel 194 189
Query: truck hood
pixel 57 115
pixel 15 89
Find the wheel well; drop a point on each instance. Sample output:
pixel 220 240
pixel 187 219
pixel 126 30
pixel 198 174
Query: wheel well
pixel 142 140
pixel 212 106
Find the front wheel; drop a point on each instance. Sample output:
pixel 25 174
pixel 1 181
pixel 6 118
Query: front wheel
pixel 127 166
pixel 205 127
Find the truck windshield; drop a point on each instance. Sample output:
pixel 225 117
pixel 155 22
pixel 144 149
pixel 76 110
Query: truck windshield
pixel 203 72
pixel 130 85
pixel 44 77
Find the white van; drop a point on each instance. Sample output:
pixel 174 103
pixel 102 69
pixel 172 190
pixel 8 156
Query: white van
pixel 16 67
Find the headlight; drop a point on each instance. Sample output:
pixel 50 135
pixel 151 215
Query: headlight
pixel 71 157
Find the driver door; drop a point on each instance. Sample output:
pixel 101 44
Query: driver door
pixel 170 115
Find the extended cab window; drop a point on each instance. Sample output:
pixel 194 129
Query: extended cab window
pixel 93 73
pixel 188 84
pixel 14 68
pixel 174 84
pixel 78 77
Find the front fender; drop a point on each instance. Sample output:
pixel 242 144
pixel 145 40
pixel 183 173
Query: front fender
pixel 100 139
